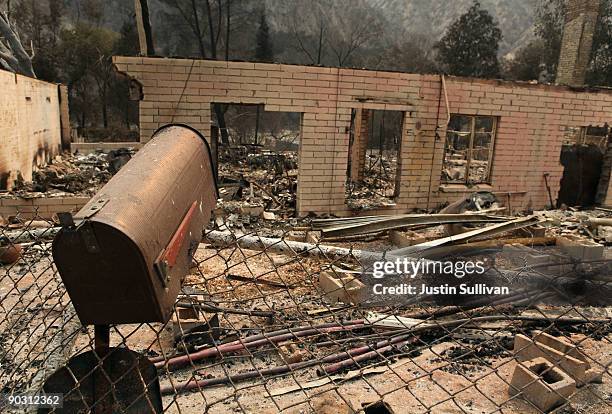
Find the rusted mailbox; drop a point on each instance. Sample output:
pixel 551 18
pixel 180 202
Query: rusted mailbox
pixel 124 255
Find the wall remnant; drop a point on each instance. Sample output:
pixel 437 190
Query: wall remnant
pixel 30 127
pixel 531 120
pixel 604 187
pixel 42 207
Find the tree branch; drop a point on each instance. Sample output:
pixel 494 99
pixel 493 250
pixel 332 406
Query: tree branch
pixel 13 53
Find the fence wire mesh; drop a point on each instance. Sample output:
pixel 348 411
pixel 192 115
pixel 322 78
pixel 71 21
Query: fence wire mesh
pixel 257 328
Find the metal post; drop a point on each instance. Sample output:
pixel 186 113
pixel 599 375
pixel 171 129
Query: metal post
pixel 103 397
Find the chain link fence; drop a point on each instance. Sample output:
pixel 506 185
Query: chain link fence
pixel 258 329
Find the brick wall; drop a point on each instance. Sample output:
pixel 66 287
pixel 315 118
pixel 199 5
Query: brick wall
pixel 30 130
pixel 65 117
pixel 362 137
pixel 580 20
pixel 531 122
pixel 44 207
pixel 608 200
pixel 359 148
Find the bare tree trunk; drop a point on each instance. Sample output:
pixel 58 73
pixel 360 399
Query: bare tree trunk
pixel 127 114
pixel 143 23
pixel 147 27
pixel 12 55
pixel 320 43
pixel 256 124
pixel 221 121
pixel 213 44
pixel 198 30
pixel 104 113
pixel 227 28
pixel 219 113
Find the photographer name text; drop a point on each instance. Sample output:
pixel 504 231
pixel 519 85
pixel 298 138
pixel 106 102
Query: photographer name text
pixel 445 289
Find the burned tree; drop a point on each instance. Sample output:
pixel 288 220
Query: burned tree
pixel 263 50
pixel 189 11
pixel 333 33
pixel 145 36
pixel 13 57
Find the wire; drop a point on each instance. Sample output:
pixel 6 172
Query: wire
pixel 183 90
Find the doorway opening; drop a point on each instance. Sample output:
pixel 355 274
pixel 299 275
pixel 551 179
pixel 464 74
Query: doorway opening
pixel 374 158
pixel 256 159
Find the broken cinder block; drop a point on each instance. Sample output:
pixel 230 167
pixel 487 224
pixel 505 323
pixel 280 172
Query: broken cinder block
pixel 580 248
pixel 560 353
pixel 405 238
pixel 251 210
pixel 341 287
pixel 520 255
pixel 291 354
pixel 541 383
pixel 313 236
pixel 185 319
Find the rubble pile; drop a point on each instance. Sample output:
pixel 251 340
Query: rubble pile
pixel 74 174
pixel 594 225
pixel 455 165
pixel 377 188
pixel 256 184
pixel 261 306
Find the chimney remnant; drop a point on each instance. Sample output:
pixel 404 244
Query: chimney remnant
pixel 580 20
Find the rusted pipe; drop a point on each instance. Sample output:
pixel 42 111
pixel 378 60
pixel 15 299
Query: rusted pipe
pixel 192 384
pixel 364 338
pixel 219 351
pixel 273 333
pixel 183 360
pixel 282 369
pixel 353 360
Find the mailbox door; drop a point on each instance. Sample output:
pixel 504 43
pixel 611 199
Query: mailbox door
pixel 105 275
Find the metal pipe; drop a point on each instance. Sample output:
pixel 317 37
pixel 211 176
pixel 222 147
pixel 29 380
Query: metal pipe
pixel 274 333
pixel 364 337
pixel 177 362
pixel 27 234
pixel 353 360
pixel 219 351
pixel 192 384
pixel 226 238
pixel 278 370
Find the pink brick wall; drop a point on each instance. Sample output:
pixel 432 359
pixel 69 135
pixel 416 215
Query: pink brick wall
pixel 530 127
pixel 532 119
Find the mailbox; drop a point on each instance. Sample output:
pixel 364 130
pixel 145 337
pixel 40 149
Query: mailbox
pixel 124 255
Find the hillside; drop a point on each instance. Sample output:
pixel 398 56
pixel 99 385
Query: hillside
pixel 397 18
pixel 432 17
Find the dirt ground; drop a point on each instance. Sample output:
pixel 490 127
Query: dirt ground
pixel 431 375
pixel 409 385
